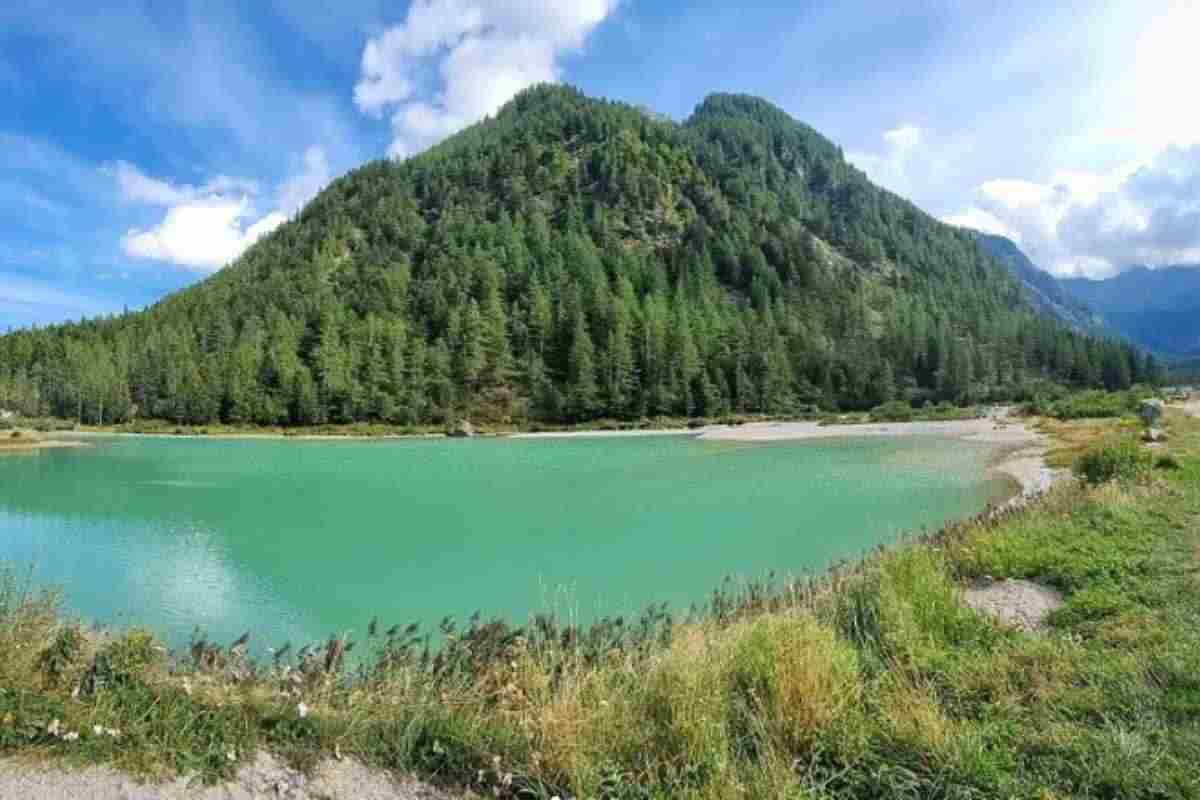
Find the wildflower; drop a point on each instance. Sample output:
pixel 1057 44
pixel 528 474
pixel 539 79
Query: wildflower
pixel 302 709
pixel 70 736
pixel 54 727
pixel 98 730
pixel 231 755
pixel 187 687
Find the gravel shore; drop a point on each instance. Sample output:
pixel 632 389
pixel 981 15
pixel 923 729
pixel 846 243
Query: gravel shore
pixel 1022 449
pixel 266 777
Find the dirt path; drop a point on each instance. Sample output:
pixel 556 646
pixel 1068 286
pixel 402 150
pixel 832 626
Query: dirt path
pixel 265 778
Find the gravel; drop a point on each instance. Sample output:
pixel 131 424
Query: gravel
pixel 266 778
pixel 1021 604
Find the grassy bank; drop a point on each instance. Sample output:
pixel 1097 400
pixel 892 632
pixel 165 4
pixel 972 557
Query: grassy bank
pixel 873 681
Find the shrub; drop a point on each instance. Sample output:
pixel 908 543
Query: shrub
pixel 894 411
pixel 1123 461
pixel 1096 404
pixel 125 661
pixel 61 656
pixel 1167 462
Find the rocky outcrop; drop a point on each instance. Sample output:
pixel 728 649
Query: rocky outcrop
pixel 463 429
pixel 1151 412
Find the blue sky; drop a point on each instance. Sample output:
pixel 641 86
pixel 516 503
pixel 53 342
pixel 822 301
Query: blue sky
pixel 143 145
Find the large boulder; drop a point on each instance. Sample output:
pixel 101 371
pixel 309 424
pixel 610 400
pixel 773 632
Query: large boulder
pixel 463 429
pixel 1151 412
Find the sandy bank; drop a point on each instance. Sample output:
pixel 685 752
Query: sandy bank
pixel 607 434
pixel 1022 450
pixel 30 443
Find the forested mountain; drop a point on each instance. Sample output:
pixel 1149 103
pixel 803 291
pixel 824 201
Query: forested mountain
pixel 571 259
pixel 1045 292
pixel 1158 309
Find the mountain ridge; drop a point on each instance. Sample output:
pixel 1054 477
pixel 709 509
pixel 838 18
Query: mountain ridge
pixel 571 258
pixel 1046 291
pixel 1158 309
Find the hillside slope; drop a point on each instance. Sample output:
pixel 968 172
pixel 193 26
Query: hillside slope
pixel 569 259
pixel 1045 292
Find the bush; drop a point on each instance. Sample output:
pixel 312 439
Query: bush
pixel 1098 404
pixel 1123 461
pixel 893 411
pixel 125 661
pixel 1167 462
pixel 62 655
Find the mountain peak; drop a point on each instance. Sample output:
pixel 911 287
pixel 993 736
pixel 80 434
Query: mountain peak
pixel 567 259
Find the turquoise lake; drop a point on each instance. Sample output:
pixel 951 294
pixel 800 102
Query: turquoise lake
pixel 298 540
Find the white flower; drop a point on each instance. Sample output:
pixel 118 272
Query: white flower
pixel 97 730
pixel 113 732
pixel 302 710
pixel 231 755
pixel 70 736
pixel 54 727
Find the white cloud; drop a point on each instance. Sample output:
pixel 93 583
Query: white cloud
pixel 453 62
pixel 1100 223
pixel 893 167
pixel 137 187
pixel 904 138
pixel 296 191
pixel 202 235
pixel 979 220
pixel 208 226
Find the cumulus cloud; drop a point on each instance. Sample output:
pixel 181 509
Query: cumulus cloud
pixel 207 226
pixel 203 235
pixel 452 62
pixel 979 220
pixel 1097 224
pixel 893 166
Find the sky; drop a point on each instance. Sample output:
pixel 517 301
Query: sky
pixel 144 145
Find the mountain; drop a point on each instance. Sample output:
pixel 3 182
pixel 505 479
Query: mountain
pixel 570 259
pixel 1044 291
pixel 1158 309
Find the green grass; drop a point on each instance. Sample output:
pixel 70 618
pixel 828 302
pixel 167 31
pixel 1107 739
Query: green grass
pixel 1094 404
pixel 873 681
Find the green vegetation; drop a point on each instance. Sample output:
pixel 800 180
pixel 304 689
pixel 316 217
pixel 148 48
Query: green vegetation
pixel 1093 404
pixel 1126 460
pixel 572 260
pixel 873 681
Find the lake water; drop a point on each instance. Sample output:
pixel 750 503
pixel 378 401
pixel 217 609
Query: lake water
pixel 298 540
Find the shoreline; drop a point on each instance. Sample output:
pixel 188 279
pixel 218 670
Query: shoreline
pixel 1020 457
pixel 28 444
pixel 1021 451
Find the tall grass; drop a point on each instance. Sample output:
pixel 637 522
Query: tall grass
pixel 872 681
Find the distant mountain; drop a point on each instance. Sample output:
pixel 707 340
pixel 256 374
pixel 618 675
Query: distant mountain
pixel 1045 292
pixel 569 259
pixel 1158 309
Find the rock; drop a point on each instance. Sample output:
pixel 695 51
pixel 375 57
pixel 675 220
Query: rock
pixel 1020 604
pixel 1153 436
pixel 463 429
pixel 1151 412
